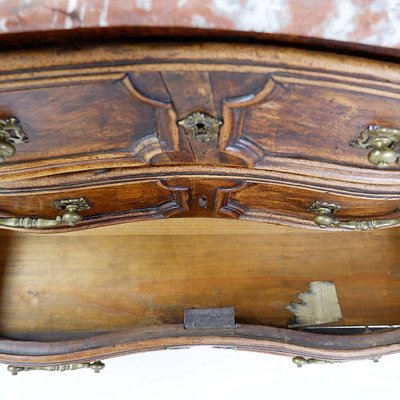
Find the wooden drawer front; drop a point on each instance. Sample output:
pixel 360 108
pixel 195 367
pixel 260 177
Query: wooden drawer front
pixel 270 108
pixel 311 119
pixel 81 125
pixel 113 204
pixel 291 206
pixel 204 198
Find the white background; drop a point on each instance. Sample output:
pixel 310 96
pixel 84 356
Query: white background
pixel 207 373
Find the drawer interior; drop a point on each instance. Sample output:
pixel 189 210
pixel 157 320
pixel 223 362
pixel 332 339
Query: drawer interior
pixel 76 284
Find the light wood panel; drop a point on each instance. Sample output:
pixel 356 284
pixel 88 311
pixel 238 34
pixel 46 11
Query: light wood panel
pixel 60 286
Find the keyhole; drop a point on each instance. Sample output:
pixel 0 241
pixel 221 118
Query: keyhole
pixel 203 202
pixel 200 127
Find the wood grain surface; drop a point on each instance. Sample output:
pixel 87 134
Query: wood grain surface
pixel 102 124
pixel 199 197
pixel 79 284
pixel 281 107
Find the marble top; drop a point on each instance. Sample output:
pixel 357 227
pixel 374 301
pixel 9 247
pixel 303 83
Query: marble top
pixel 371 22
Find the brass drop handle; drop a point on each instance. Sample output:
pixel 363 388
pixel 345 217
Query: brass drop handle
pixel 325 218
pixel 7 150
pixel 300 361
pixel 11 134
pixel 70 216
pixel 382 144
pixel 96 366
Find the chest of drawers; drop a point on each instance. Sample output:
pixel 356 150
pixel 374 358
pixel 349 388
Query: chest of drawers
pixel 104 134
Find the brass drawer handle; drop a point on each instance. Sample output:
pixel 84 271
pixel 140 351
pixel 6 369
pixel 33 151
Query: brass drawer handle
pixel 96 366
pixel 325 218
pixel 300 361
pixel 382 144
pixel 11 134
pixel 70 216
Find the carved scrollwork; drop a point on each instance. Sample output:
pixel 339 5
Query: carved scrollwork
pixel 166 138
pixel 228 206
pixel 180 202
pixel 232 138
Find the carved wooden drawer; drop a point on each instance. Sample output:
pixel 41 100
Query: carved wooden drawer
pixel 265 107
pixel 152 199
pixel 115 133
pixel 206 197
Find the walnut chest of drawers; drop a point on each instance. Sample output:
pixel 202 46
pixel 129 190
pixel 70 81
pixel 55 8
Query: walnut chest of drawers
pixel 97 135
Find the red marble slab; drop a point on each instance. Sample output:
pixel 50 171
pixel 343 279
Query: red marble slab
pixel 371 22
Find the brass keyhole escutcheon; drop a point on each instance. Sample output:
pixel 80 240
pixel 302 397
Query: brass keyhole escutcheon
pixel 201 126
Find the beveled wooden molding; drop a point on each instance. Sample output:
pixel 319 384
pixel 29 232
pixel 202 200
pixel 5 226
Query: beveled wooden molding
pixel 161 141
pixel 352 67
pixel 231 139
pixel 225 205
pixel 147 148
pixel 385 185
pixel 243 337
pixel 181 195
